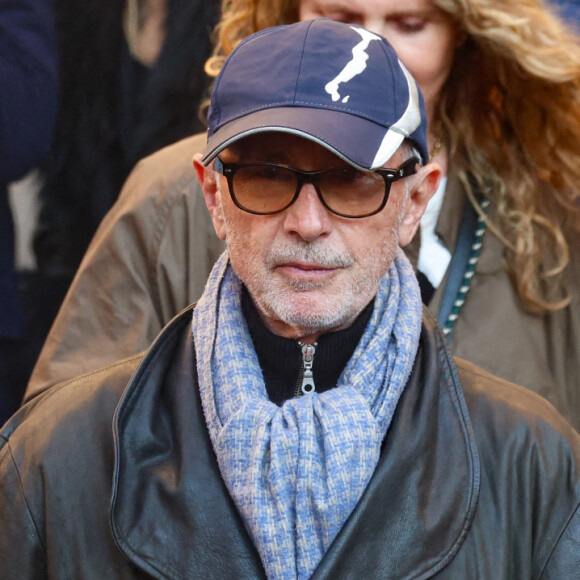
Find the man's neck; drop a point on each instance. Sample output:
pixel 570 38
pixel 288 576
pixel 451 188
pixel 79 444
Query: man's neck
pixel 281 359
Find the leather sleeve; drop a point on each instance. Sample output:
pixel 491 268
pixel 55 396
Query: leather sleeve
pixel 150 258
pixel 564 561
pixel 22 553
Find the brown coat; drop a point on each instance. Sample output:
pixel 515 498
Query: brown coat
pixel 152 254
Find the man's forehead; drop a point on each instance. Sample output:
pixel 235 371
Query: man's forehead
pixel 273 146
pixel 280 147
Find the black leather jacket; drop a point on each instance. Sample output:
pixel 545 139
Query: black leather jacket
pixel 113 475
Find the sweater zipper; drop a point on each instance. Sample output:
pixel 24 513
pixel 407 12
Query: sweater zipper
pixel 305 383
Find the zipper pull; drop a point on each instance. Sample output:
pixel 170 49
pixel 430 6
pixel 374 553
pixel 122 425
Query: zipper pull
pixel 307 385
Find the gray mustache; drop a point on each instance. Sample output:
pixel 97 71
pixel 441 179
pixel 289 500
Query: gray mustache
pixel 311 253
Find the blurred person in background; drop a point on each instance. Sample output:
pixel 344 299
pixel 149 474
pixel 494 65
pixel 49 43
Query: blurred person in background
pixel 131 83
pixel 28 103
pixel 495 250
pixel 131 80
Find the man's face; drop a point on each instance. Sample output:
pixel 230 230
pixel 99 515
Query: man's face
pixel 308 270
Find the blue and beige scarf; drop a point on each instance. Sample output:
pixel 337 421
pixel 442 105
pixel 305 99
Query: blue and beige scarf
pixel 296 472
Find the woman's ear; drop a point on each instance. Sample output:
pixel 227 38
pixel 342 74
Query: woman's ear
pixel 207 178
pixel 424 185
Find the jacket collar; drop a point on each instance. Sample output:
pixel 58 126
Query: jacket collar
pixel 172 515
pixel 448 221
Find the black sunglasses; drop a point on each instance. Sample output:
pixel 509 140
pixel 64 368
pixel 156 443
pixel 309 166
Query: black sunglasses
pixel 269 188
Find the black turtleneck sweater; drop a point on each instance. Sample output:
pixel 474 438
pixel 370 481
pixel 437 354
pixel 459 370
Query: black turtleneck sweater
pixel 281 358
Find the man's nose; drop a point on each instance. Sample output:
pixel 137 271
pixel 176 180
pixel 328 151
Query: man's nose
pixel 307 216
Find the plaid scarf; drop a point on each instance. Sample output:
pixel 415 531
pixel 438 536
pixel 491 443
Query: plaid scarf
pixel 296 472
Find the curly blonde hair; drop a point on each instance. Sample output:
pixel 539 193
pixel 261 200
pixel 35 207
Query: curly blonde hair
pixel 509 114
pixel 240 18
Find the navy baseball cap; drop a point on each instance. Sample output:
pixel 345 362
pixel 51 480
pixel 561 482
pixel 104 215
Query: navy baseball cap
pixel 338 85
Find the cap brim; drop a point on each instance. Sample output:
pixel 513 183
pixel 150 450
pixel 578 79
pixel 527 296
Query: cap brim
pixel 364 144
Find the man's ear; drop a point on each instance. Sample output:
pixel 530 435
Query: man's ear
pixel 207 178
pixel 424 185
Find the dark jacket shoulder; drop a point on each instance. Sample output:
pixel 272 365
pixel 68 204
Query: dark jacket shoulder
pixel 471 466
pixel 84 405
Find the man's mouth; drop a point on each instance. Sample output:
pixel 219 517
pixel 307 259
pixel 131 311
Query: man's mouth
pixel 307 272
pixel 308 264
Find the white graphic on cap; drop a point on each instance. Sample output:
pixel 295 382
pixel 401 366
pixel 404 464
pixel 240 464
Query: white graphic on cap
pixel 405 126
pixel 354 67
